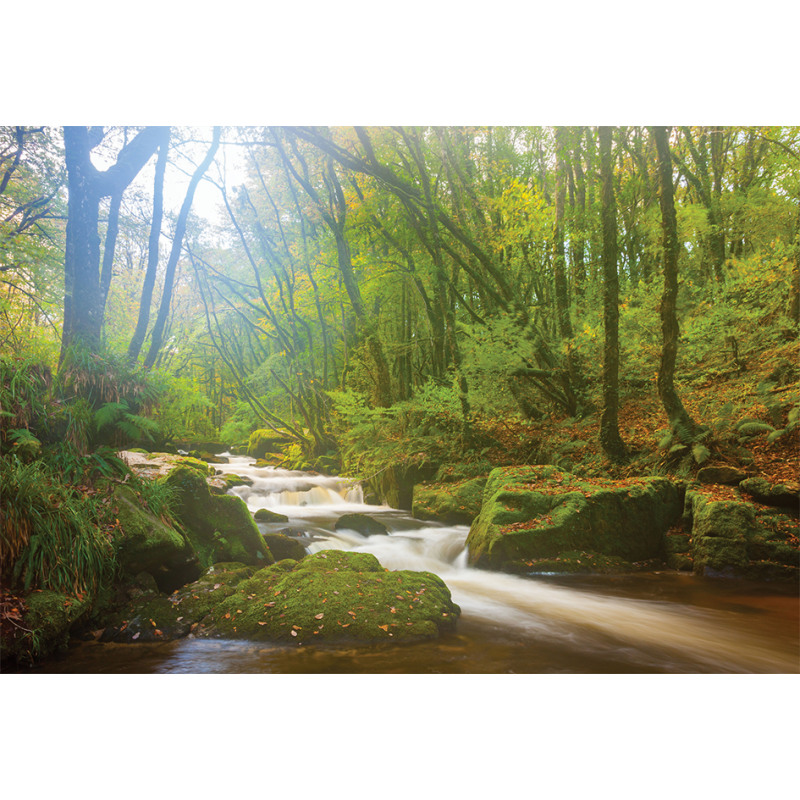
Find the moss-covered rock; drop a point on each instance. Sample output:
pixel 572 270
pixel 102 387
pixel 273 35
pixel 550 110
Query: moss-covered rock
pixel 155 617
pixel 144 543
pixel 778 494
pixel 537 512
pixel 721 474
pixel 265 441
pixel 46 625
pixel 737 538
pixel 282 546
pixel 452 503
pixel 265 515
pixel 219 527
pixel 361 523
pixel 329 596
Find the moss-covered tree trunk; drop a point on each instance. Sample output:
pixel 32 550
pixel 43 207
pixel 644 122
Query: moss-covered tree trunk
pixel 610 439
pixel 682 425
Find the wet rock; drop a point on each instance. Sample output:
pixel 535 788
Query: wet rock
pixel 328 596
pixel 145 543
pixel 361 523
pixel 737 538
pixel 284 546
pixel 265 441
pixel 452 503
pixel 539 512
pixel 265 515
pixel 726 475
pixel 218 527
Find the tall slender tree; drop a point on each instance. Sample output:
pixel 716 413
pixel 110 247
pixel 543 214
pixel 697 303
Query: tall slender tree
pixel 609 423
pixel 683 427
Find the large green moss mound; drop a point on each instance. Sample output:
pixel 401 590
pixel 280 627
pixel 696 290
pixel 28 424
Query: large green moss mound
pixel 334 595
pixel 219 527
pixel 540 512
pixel 452 503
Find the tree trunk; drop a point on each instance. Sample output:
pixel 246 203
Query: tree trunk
pixel 137 340
pixel 610 439
pixel 177 241
pixel 84 300
pixel 682 425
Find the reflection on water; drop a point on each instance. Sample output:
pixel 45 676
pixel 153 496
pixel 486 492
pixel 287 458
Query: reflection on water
pixel 591 624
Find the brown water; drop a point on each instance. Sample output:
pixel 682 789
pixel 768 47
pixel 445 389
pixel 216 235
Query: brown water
pixel 657 622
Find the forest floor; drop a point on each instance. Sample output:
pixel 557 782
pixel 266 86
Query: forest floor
pixel 717 398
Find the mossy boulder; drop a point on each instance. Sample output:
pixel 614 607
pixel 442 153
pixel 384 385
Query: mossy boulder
pixel 265 515
pixel 536 512
pixel 361 523
pixel 329 596
pixel 778 494
pixel 735 538
pixel 46 624
pixel 282 546
pixel 219 527
pixel 720 531
pixel 721 474
pixel 145 543
pixel 265 441
pixel 452 503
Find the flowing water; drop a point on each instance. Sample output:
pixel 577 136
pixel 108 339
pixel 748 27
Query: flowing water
pixel 655 622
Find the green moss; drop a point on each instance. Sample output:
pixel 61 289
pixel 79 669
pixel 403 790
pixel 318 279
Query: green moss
pixel 264 441
pixel 219 527
pixel 143 542
pixel 47 622
pixel 541 512
pixel 453 503
pixel 333 595
pixel 282 546
pixel 265 515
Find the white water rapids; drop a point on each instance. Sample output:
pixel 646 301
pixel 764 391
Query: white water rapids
pixel 656 634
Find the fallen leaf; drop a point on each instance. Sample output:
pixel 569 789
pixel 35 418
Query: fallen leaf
pixel 384 627
pixel 294 633
pixel 318 616
pixel 135 635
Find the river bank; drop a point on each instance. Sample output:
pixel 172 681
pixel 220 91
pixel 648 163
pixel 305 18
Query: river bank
pixel 663 621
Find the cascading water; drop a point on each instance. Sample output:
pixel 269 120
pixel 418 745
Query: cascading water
pixel 646 634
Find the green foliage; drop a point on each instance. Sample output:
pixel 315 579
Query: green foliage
pixel 26 446
pixel 237 428
pixel 126 427
pixel 424 430
pixel 24 386
pixel 182 412
pixel 161 497
pixel 50 534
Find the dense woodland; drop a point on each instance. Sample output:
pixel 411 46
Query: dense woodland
pixel 440 300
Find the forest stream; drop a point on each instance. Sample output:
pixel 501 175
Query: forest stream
pixel 663 622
